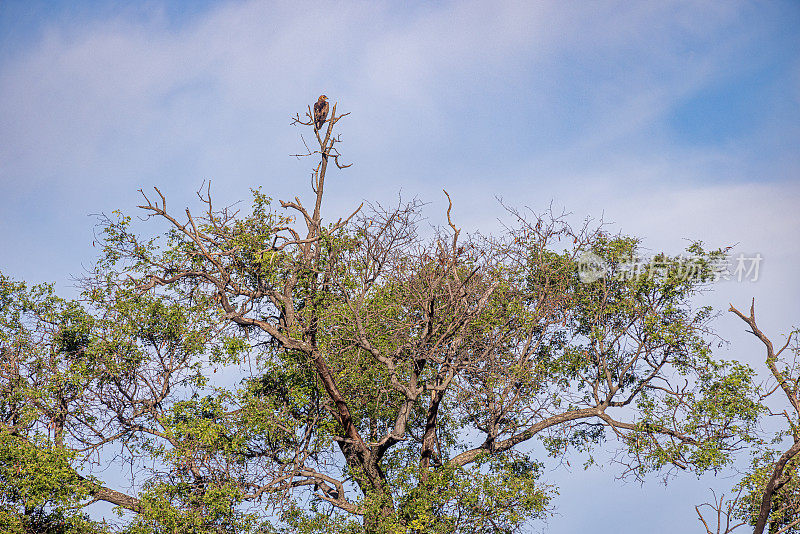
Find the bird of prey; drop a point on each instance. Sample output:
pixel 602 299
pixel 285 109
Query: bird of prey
pixel 320 112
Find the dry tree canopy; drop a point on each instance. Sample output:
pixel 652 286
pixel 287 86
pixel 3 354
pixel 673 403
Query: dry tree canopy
pixel 278 371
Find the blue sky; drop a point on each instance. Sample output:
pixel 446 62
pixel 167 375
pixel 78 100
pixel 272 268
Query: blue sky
pixel 670 120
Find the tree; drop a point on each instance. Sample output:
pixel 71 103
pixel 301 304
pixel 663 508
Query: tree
pixel 40 489
pixel 769 494
pixel 373 379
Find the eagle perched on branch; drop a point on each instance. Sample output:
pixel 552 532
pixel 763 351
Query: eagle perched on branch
pixel 320 112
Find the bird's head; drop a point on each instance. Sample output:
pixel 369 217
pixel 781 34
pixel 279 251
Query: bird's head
pixel 322 98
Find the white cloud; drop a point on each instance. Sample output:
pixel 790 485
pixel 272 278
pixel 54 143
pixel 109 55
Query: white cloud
pixel 150 88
